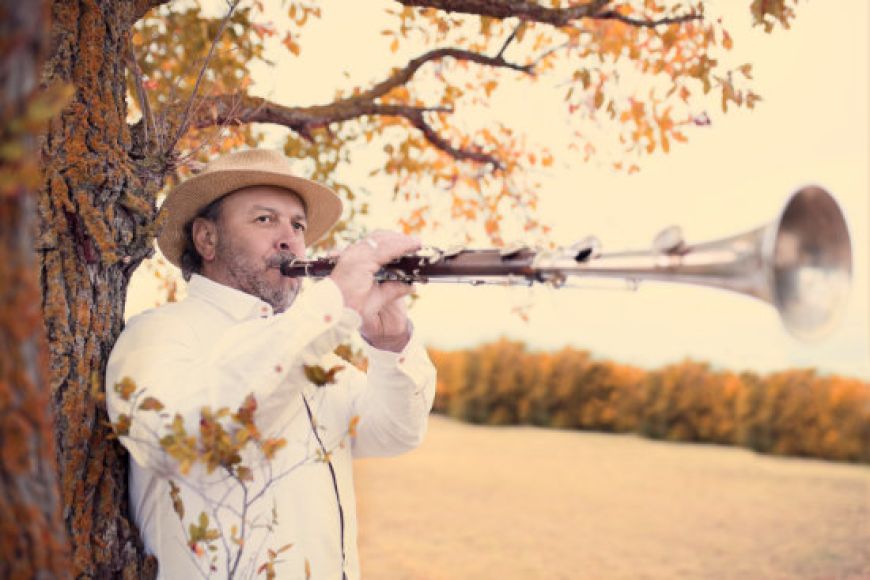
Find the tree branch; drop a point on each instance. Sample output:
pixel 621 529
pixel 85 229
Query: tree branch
pixel 533 12
pixel 521 9
pixel 143 6
pixel 418 120
pixel 403 75
pixel 225 110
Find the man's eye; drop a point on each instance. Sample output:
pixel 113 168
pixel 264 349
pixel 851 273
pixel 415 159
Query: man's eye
pixel 299 226
pixel 263 218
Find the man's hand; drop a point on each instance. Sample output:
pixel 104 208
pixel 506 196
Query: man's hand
pixel 381 305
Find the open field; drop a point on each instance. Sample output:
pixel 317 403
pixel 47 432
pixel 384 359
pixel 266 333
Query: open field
pixel 520 502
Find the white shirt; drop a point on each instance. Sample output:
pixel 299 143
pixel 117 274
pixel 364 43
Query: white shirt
pixel 214 348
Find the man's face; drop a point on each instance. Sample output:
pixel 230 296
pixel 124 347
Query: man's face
pixel 258 228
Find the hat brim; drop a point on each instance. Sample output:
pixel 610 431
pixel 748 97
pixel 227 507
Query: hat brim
pixel 322 205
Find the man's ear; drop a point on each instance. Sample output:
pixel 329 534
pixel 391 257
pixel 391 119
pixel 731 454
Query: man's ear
pixel 205 238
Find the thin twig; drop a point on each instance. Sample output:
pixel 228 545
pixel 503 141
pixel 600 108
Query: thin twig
pixel 185 120
pixel 509 39
pixel 246 505
pixel 142 95
pixel 215 513
pixel 551 50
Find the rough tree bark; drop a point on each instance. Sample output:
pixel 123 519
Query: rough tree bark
pixel 32 539
pixel 97 214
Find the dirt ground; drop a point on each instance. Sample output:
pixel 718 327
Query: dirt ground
pixel 526 503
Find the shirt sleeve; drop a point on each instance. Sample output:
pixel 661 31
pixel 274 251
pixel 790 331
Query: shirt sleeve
pixel 394 402
pixel 162 354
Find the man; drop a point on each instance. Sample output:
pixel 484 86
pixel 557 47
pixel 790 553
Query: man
pixel 246 329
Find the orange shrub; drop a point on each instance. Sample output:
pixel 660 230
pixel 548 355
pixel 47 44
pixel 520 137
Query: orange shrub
pixel 792 412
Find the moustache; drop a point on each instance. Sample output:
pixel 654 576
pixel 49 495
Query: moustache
pixel 279 258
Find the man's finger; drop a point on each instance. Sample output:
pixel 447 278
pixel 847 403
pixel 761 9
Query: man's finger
pixel 391 245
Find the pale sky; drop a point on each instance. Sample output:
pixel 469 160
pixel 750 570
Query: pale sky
pixel 811 127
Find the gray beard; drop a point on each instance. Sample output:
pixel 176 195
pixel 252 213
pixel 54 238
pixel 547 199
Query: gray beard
pixel 250 279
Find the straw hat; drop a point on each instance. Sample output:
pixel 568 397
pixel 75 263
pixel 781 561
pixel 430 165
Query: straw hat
pixel 236 171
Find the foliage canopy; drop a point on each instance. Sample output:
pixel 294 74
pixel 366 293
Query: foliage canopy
pixel 642 72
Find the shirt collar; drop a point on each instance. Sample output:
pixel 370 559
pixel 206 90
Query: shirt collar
pixel 239 305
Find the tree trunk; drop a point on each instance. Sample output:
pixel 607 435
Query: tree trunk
pixel 32 539
pixel 96 211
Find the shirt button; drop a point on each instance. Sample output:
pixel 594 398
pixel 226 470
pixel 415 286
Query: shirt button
pixel 327 318
pixel 401 359
pixel 278 368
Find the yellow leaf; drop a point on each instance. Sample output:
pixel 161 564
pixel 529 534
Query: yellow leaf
pixel 751 99
pixel 485 25
pixel 352 427
pixel 245 414
pixel 320 376
pixel 290 44
pixel 177 504
pixel 684 93
pixel 283 548
pixel 151 404
pixel 125 388
pixel 234 536
pixel 400 93
pixel 122 425
pixel 271 446
pixel 599 99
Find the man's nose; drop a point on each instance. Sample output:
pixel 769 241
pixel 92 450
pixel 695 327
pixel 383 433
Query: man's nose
pixel 290 239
